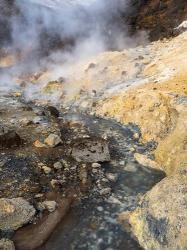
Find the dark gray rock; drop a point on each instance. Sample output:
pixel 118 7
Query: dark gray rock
pixel 91 150
pixel 51 111
pixel 9 138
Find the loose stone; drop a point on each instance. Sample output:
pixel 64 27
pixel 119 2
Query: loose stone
pixel 105 191
pixel 112 177
pixel 96 165
pixel 58 165
pixel 53 140
pixel 50 205
pixel 47 170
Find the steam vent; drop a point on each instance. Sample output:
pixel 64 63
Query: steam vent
pixel 93 125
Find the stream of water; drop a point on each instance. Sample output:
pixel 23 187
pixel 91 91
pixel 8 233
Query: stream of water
pixel 93 224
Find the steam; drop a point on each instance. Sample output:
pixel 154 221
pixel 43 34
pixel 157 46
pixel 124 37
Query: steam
pixel 46 23
pixel 46 33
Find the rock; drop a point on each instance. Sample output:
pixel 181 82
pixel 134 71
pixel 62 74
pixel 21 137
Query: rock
pixel 105 191
pixel 83 174
pixel 130 167
pixel 145 161
pixel 53 140
pixel 41 164
pixel 14 213
pixel 95 171
pixel 91 150
pixel 49 205
pixel 39 144
pixel 91 66
pixel 132 149
pixel 51 111
pixel 40 206
pixel 112 177
pixel 53 87
pixel 136 136
pixel 17 94
pixel 2 163
pixel 181 28
pixel 105 137
pixel 38 112
pixel 122 163
pixel 100 209
pixel 85 104
pixel 6 244
pixel 160 222
pixel 38 196
pixel 124 216
pixel 61 79
pixel 47 170
pixel 104 180
pixel 58 165
pixel 96 165
pixel 9 138
pixel 65 163
pixel 114 200
pixel 37 120
pixel 26 122
pixel 36 235
pixel 54 183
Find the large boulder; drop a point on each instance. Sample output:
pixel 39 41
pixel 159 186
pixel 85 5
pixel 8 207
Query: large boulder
pixel 160 222
pixel 91 150
pixel 14 213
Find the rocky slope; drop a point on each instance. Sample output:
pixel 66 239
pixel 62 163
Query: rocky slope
pixel 159 108
pixel 160 17
pixel 106 87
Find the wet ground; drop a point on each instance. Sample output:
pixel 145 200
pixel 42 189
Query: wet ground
pixel 93 224
pixel 114 187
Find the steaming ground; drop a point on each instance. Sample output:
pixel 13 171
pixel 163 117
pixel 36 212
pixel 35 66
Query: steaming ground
pixel 43 146
pixel 58 36
pixel 50 25
pixel 59 39
pixel 80 81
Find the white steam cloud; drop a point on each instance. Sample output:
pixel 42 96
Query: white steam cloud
pixel 75 20
pixel 45 33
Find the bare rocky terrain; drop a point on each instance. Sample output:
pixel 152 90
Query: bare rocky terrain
pixel 93 152
pixel 68 168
